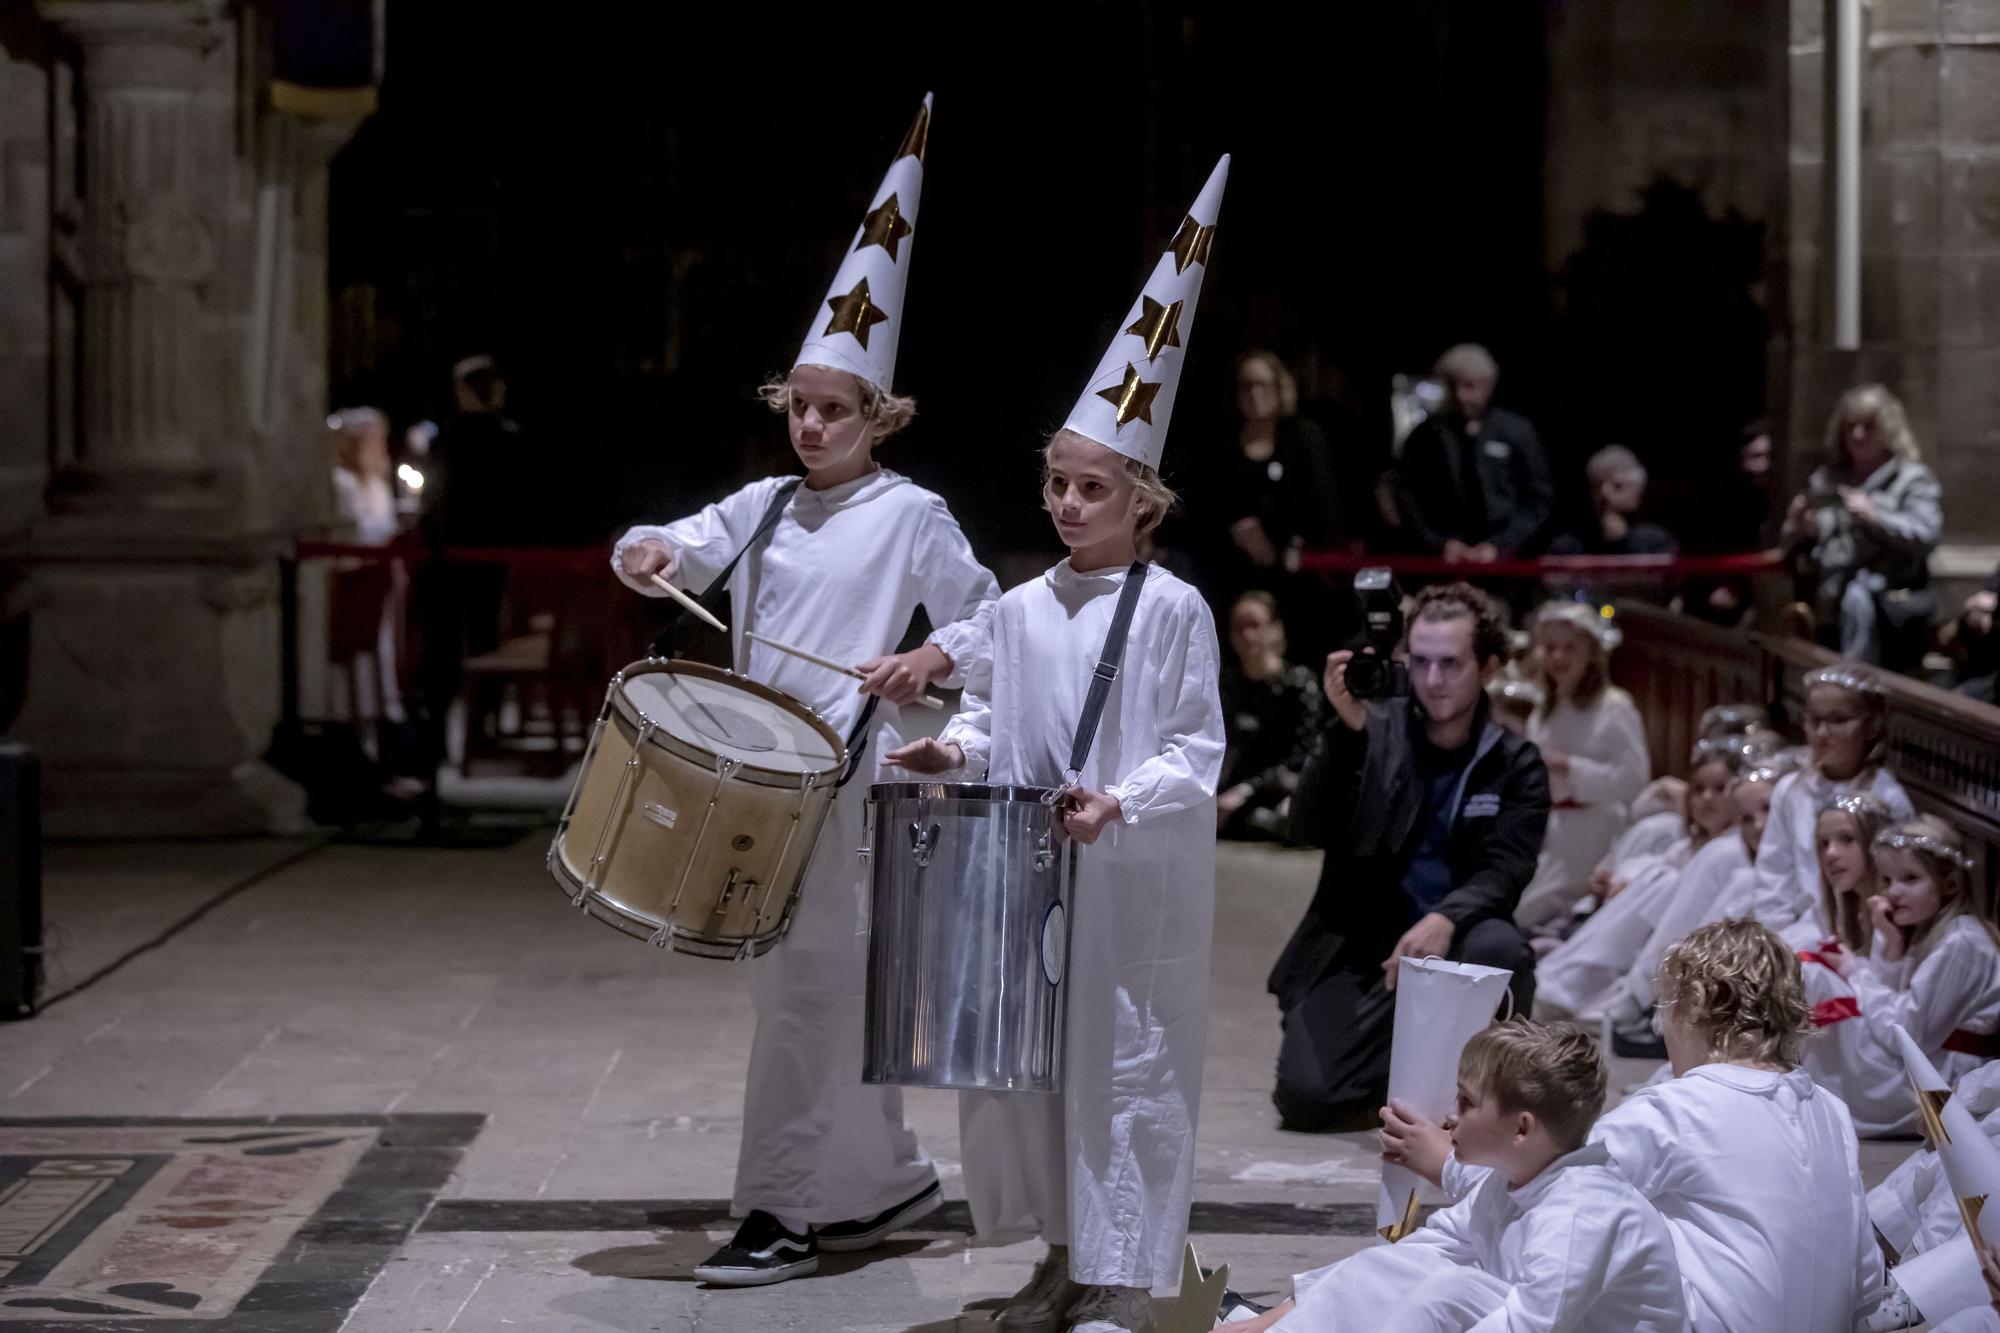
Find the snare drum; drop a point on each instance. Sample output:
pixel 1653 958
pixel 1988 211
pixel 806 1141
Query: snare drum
pixel 701 797
pixel 969 937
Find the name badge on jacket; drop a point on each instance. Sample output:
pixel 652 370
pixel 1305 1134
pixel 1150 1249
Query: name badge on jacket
pixel 1495 448
pixel 1483 805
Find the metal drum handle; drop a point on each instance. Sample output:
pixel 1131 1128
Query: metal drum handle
pixel 923 841
pixel 1045 855
pixel 867 849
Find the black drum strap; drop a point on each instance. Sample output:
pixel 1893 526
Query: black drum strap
pixel 1106 672
pixel 712 596
pixel 857 741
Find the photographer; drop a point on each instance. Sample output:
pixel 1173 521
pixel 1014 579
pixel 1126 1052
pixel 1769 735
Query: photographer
pixel 1432 815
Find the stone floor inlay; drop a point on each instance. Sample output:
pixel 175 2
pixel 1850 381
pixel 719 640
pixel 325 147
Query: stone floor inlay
pixel 235 1223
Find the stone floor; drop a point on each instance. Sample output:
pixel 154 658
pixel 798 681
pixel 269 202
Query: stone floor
pixel 347 982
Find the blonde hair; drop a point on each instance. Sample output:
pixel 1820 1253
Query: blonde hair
pixel 885 412
pixel 1940 850
pixel 1875 401
pixel 1613 460
pixel 1152 498
pixel 1551 1070
pixel 1739 985
pixel 1848 912
pixel 1596 671
pixel 1288 388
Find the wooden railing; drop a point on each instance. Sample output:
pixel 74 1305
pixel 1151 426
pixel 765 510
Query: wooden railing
pixel 1943 747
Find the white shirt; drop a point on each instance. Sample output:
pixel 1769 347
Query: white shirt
pixel 841 574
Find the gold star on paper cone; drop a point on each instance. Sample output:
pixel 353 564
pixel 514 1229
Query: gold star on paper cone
pixel 854 313
pixel 919 137
pixel 1132 398
pixel 1160 326
pixel 884 226
pixel 1403 1225
pixel 1199 1305
pixel 1190 244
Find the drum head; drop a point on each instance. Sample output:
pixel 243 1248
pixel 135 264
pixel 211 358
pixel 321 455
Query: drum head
pixel 723 714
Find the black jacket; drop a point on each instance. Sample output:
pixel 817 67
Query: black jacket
pixel 1506 500
pixel 1361 798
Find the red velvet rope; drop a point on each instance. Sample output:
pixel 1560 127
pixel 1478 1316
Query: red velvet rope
pixel 1549 566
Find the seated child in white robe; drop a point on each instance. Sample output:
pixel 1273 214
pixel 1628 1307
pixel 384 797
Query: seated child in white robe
pixel 1549 1235
pixel 1934 969
pixel 1754 1167
pixel 1572 980
pixel 1916 1210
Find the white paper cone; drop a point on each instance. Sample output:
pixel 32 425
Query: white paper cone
pixel 1439 1005
pixel 1971 1161
pixel 1943 1279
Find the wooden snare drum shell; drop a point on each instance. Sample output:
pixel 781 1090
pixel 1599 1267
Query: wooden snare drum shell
pixel 673 849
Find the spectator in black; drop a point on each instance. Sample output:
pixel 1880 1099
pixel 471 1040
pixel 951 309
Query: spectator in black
pixel 1617 481
pixel 1432 816
pixel 1978 645
pixel 1866 525
pixel 1735 521
pixel 1271 711
pixel 1473 482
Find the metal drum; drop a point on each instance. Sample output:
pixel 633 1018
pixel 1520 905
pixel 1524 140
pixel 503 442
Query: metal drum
pixel 695 812
pixel 969 942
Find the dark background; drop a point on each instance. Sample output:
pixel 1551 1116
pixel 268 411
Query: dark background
pixel 637 208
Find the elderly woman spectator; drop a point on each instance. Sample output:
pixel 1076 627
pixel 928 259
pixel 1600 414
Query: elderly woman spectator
pixel 1866 524
pixel 1474 483
pixel 1271 710
pixel 1617 481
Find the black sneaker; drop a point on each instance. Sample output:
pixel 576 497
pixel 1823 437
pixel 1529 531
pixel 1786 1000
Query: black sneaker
pixel 1237 1307
pixel 1638 1041
pixel 761 1252
pixel 865 1233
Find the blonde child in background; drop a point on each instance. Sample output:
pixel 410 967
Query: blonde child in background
pixel 1934 969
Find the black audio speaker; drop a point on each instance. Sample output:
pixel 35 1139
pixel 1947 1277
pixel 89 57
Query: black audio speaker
pixel 20 881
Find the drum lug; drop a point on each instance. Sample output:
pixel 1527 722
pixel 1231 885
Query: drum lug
pixel 1045 855
pixel 660 938
pixel 923 841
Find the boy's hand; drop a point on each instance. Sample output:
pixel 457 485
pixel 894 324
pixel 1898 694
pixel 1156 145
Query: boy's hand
pixel 1411 1140
pixel 928 755
pixel 1086 813
pixel 901 677
pixel 643 559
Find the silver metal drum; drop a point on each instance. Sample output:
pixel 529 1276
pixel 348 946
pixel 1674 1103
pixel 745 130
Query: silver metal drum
pixel 969 947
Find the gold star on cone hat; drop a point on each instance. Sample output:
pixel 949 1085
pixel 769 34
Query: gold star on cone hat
pixel 1130 399
pixel 1971 1161
pixel 857 327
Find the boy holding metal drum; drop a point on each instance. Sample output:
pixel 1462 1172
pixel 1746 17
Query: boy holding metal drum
pixel 1104 1170
pixel 827 1162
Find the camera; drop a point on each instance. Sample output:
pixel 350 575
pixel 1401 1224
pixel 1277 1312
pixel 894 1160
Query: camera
pixel 1373 672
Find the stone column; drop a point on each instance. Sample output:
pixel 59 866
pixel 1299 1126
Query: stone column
pixel 153 673
pixel 1930 299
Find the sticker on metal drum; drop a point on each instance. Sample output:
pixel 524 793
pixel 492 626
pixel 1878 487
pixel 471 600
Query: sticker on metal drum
pixel 662 816
pixel 1055 943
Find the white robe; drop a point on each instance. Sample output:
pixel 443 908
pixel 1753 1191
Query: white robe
pixel 1108 1166
pixel 1787 895
pixel 1758 1176
pixel 1948 983
pixel 1915 1208
pixel 1575 1250
pixel 841 575
pixel 1715 879
pixel 1591 804
pixel 1572 980
pixel 1651 835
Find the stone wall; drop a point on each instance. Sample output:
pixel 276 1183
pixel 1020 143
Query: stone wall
pixel 26 125
pixel 1930 298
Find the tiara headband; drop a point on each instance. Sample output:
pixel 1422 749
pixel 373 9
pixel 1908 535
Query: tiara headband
pixel 1924 842
pixel 1845 677
pixel 1763 773
pixel 1859 804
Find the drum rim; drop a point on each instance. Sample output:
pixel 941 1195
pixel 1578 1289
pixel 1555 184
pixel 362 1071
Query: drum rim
pixel 626 715
pixel 995 793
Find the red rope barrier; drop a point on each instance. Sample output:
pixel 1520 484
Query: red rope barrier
pixel 1550 566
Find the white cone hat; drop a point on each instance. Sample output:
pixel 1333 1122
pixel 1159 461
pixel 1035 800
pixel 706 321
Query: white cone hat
pixel 1971 1161
pixel 858 326
pixel 1130 399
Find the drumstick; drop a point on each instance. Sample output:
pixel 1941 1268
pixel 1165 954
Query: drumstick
pixel 927 700
pixel 689 602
